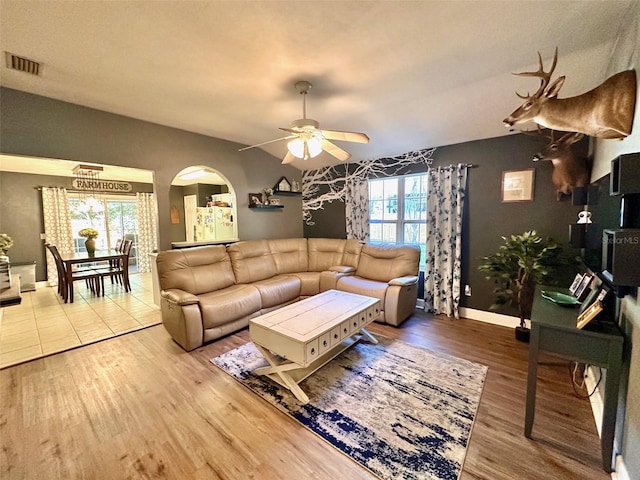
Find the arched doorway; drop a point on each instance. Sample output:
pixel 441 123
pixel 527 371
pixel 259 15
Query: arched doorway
pixel 203 207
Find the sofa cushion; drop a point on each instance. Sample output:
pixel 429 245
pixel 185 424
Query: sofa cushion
pixel 325 253
pixel 228 304
pixel 384 262
pixel 310 283
pixel 290 254
pixel 252 261
pixel 352 250
pixel 363 286
pixel 195 270
pixel 278 290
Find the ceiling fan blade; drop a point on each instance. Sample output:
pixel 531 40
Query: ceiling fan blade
pixel 264 143
pixel 288 158
pixel 335 150
pixel 345 136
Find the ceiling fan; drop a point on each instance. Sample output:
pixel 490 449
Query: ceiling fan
pixel 307 140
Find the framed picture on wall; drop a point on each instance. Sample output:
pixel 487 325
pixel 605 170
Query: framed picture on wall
pixel 518 185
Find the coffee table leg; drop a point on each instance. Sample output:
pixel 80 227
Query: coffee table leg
pixel 280 369
pixel 370 338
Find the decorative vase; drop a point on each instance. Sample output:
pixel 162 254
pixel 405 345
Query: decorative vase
pixel 90 244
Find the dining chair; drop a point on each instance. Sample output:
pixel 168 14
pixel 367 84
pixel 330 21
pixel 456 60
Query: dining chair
pixel 91 277
pixel 119 270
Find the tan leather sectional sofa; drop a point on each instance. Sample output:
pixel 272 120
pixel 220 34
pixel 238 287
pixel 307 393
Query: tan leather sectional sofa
pixel 208 292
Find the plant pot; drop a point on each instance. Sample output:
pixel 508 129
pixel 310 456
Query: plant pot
pixel 523 334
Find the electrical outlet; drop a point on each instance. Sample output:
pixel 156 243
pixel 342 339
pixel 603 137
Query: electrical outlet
pixel 467 290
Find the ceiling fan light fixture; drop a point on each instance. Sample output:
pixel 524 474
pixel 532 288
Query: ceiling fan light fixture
pixel 305 149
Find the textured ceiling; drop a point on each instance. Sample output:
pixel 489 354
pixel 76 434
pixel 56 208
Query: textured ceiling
pixel 411 75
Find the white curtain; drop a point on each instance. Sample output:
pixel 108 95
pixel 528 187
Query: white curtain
pixel 357 209
pixel 446 192
pixel 147 229
pixel 57 226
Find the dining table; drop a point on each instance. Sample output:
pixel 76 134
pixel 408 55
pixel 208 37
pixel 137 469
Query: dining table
pixel 76 258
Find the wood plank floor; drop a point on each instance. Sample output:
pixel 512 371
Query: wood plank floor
pixel 137 406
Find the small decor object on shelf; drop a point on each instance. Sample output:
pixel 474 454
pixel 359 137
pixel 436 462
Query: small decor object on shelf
pixel 589 314
pixel 283 185
pixel 90 243
pixel 6 242
pixel 584 217
pixel 575 283
pixel 583 288
pixel 255 199
pixel 267 192
pixel 295 186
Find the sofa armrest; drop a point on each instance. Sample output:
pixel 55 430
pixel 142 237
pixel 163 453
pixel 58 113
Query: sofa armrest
pixel 404 281
pixel 179 297
pixel 342 269
pixel 329 278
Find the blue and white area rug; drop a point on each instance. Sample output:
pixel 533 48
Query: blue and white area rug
pixel 399 410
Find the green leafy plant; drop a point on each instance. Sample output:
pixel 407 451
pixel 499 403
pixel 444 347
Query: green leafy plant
pixel 88 233
pixel 522 262
pixel 6 242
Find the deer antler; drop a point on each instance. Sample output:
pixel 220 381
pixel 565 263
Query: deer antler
pixel 545 77
pixel 540 132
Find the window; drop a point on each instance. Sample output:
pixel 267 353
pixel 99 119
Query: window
pixel 398 211
pixel 114 217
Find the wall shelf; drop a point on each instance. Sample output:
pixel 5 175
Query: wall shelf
pixel 286 193
pixel 266 207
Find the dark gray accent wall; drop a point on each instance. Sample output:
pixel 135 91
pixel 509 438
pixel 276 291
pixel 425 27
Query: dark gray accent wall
pixel 486 218
pixel 33 125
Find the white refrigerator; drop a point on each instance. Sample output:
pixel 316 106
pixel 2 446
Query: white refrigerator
pixel 213 223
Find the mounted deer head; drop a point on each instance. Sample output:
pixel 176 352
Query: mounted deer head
pixel 569 171
pixel 606 111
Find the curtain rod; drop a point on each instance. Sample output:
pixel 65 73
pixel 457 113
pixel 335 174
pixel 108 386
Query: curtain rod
pixel 468 165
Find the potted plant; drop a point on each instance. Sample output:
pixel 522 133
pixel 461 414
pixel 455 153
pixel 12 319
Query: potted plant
pixel 90 243
pixel 6 242
pixel 516 268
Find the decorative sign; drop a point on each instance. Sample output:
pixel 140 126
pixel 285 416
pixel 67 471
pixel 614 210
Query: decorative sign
pixel 101 185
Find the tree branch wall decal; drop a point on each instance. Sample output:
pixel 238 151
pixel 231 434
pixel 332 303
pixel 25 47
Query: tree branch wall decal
pixel 329 183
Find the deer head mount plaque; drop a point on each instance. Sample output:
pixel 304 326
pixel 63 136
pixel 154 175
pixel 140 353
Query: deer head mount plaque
pixel 606 111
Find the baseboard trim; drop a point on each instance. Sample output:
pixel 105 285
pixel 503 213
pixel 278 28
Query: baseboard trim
pixel 491 317
pixel 621 472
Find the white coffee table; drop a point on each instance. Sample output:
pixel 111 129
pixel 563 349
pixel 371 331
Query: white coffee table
pixel 301 337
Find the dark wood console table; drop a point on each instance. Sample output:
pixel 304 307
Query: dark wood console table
pixel 553 330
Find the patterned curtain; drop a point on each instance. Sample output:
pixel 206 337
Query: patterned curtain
pixel 357 208
pixel 147 229
pixel 57 226
pixel 445 200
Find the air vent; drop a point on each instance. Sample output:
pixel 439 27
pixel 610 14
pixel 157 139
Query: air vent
pixel 22 64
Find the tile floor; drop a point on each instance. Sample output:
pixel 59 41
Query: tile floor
pixel 43 324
